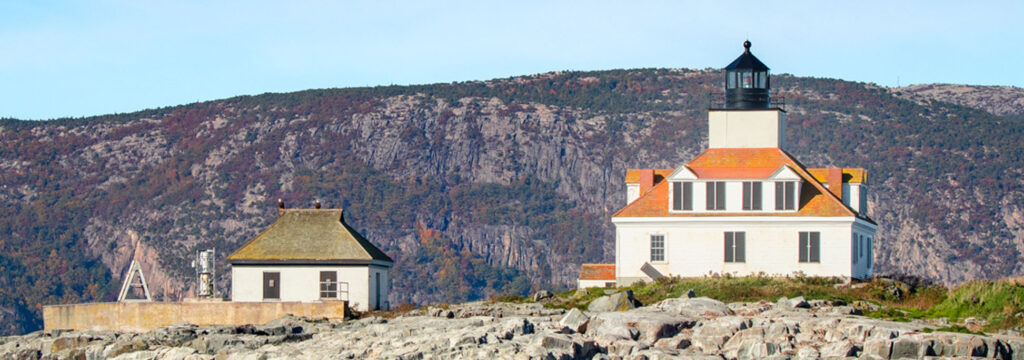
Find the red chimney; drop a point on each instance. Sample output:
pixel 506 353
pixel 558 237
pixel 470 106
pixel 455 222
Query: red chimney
pixel 646 180
pixel 835 181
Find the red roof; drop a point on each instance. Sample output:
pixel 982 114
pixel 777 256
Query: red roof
pixel 815 199
pixel 597 272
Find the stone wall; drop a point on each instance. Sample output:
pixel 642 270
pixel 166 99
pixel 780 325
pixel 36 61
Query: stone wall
pixel 145 316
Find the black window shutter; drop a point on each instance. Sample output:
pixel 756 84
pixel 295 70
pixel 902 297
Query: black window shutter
pixel 711 195
pixel 748 196
pixel 803 247
pixel 756 202
pixel 728 247
pixel 780 195
pixel 815 247
pixel 790 196
pixel 677 196
pixel 688 196
pixel 741 242
pixel 856 248
pixel 720 195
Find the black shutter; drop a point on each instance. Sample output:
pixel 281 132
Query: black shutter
pixel 741 242
pixel 856 248
pixel 710 195
pixel 687 196
pixel 756 202
pixel 677 196
pixel 790 196
pixel 815 247
pixel 748 196
pixel 728 247
pixel 720 195
pixel 780 196
pixel 803 247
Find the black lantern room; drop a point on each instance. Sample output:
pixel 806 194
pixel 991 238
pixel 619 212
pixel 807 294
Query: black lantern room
pixel 746 82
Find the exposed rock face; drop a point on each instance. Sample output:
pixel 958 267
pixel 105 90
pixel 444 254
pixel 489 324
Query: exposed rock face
pixel 690 328
pixel 999 100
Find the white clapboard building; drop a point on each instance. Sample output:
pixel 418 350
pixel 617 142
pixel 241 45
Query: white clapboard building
pixel 744 206
pixel 310 255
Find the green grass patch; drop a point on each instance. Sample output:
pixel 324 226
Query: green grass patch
pixel 995 304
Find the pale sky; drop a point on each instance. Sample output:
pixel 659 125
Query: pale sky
pixel 82 58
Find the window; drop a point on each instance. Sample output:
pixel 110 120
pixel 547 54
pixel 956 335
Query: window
pixel 682 196
pixel 785 195
pixel 735 244
pixel 657 248
pixel 810 247
pixel 271 285
pixel 716 195
pixel 328 284
pixel 751 195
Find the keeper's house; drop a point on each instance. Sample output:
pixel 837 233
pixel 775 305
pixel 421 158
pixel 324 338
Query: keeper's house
pixel 745 205
pixel 311 255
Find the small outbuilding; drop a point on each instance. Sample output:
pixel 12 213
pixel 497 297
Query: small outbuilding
pixel 310 255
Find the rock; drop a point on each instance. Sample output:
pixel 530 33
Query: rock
pixel 906 348
pixel 620 301
pixel 695 308
pixel 713 334
pixel 675 342
pixel 838 349
pixel 877 348
pixel 794 303
pixel 540 295
pixel 575 320
pixel 641 325
pixel 516 327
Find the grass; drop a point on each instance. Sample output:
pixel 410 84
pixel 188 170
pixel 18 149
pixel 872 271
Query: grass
pixel 994 304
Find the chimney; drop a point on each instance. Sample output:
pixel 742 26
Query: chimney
pixel 316 204
pixel 646 180
pixel 280 204
pixel 835 181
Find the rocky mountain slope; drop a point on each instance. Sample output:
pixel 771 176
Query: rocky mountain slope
pixel 999 100
pixel 692 328
pixel 476 188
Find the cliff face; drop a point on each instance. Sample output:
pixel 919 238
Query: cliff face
pixel 474 188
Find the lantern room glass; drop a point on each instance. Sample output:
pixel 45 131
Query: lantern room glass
pixel 747 80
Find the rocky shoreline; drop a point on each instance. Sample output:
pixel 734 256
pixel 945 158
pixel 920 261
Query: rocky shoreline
pixel 613 328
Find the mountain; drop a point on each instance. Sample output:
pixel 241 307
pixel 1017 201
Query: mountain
pixel 999 100
pixel 475 189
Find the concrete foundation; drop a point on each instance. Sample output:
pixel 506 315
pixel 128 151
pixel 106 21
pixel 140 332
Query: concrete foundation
pixel 145 316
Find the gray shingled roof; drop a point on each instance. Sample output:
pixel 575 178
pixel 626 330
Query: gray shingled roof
pixel 309 236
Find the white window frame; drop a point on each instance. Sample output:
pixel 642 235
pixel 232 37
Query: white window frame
pixel 682 190
pixel 664 248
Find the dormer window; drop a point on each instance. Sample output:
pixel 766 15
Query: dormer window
pixel 682 196
pixel 715 195
pixel 785 195
pixel 751 195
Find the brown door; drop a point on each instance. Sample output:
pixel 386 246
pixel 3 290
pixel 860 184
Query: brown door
pixel 271 286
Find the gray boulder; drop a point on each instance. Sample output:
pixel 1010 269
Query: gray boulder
pixel 641 325
pixel 794 303
pixel 620 301
pixel 838 349
pixel 575 320
pixel 540 295
pixel 694 308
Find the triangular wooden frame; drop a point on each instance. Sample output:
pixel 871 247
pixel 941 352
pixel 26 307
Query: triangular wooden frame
pixel 127 285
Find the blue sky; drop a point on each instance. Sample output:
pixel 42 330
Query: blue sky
pixel 70 58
